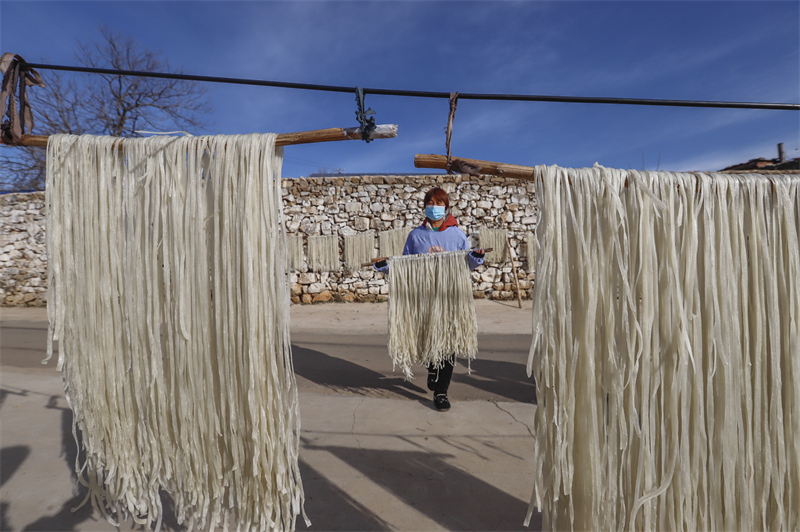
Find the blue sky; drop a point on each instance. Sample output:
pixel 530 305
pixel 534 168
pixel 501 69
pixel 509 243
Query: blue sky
pixel 699 50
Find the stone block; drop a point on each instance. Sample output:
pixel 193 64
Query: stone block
pixel 522 199
pixel 316 288
pixel 322 297
pixel 307 278
pixel 361 224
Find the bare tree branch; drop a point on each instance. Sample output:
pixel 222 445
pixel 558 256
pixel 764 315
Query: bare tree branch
pixel 106 104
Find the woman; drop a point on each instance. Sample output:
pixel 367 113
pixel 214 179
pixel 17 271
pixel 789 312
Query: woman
pixel 439 232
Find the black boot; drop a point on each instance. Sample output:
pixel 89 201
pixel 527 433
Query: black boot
pixel 432 378
pixel 439 382
pixel 441 402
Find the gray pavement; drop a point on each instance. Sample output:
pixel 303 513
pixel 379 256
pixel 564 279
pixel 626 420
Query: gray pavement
pixel 375 454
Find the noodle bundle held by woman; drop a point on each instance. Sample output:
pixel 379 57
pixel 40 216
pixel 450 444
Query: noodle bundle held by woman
pixel 431 311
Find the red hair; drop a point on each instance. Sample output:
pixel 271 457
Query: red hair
pixel 438 194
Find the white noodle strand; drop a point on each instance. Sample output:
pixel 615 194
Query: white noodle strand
pixel 323 253
pixel 169 296
pixel 666 328
pixel 391 243
pixel 495 239
pixel 294 252
pixel 358 249
pixel 431 310
pixel 531 247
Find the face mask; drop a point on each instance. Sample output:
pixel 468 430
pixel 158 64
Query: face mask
pixel 434 212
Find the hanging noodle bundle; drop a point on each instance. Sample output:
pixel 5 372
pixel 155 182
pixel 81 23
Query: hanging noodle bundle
pixel 323 253
pixel 665 350
pixel 431 310
pixel 495 239
pixel 530 249
pixel 358 248
pixel 294 254
pixel 169 297
pixel 393 241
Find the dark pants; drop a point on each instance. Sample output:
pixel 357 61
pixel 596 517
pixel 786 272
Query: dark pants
pixel 443 380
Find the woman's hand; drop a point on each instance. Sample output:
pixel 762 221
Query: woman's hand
pixel 478 253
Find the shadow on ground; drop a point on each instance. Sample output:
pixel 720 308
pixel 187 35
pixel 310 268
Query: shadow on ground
pixel 324 498
pixel 498 377
pixel 447 495
pixel 69 517
pixel 344 376
pixel 360 365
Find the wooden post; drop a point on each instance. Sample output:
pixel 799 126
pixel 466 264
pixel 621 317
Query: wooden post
pixel 384 131
pixel 514 269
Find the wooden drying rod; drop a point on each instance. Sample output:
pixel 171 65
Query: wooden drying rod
pixel 527 172
pixel 373 261
pixel 484 167
pixel 385 131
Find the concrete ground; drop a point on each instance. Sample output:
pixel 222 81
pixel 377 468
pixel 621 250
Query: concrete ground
pixel 375 454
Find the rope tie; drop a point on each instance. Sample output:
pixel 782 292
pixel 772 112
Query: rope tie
pixel 367 122
pixel 12 67
pixel 457 166
pixel 449 133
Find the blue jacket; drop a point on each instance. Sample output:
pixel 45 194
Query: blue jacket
pixel 425 240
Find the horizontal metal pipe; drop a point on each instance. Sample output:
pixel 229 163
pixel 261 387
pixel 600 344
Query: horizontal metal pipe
pixel 425 94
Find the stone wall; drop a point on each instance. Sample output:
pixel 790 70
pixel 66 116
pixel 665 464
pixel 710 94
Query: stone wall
pixel 347 205
pixel 23 260
pixel 320 206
